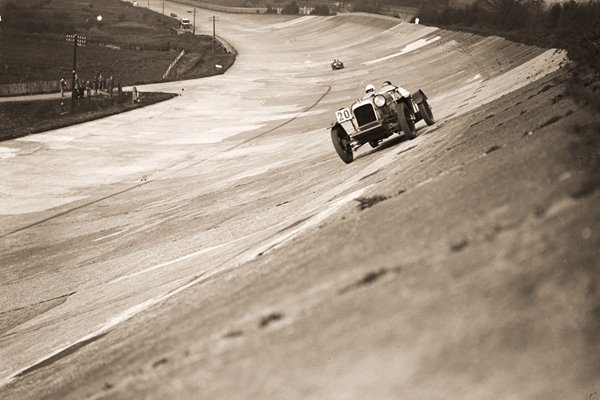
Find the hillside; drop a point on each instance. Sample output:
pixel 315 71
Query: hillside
pixel 132 43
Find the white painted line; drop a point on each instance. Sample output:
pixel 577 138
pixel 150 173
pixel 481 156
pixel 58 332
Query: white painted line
pixel 407 49
pixel 476 77
pixel 111 235
pixel 174 208
pixel 167 263
pixel 311 222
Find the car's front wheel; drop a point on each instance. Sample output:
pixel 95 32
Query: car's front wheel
pixel 341 143
pixel 426 113
pixel 406 122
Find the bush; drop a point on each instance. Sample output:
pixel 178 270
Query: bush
pixel 321 9
pixel 369 6
pixel 291 8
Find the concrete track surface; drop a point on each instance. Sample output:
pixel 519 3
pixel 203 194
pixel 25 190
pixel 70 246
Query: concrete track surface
pixel 212 247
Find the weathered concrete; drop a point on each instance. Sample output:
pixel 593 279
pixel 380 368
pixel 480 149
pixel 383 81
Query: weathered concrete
pixel 210 246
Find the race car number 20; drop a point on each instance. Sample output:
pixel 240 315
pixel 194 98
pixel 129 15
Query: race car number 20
pixel 343 115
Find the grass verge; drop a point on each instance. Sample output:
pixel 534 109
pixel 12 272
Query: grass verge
pixel 135 45
pixel 44 115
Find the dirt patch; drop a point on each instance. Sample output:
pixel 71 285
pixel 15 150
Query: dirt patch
pixel 492 149
pixel 552 120
pixel 368 202
pixel 233 334
pixel 585 153
pixel 369 278
pixel 269 319
pixel 459 245
pixel 160 362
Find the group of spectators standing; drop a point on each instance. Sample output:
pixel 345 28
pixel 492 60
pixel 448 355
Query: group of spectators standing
pixel 84 87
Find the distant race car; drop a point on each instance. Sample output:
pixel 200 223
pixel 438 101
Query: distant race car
pixel 337 64
pixel 377 116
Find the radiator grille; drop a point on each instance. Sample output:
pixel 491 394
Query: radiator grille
pixel 364 114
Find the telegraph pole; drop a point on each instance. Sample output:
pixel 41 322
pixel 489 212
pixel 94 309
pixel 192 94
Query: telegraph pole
pixel 163 8
pixel 77 40
pixel 214 19
pixel 194 26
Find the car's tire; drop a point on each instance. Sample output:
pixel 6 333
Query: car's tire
pixel 341 143
pixel 406 122
pixel 426 113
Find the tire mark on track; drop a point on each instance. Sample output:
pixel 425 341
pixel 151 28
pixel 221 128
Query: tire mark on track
pixel 284 123
pixel 38 303
pixel 162 176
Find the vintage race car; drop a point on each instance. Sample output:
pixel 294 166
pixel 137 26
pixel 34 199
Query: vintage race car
pixel 337 64
pixel 378 116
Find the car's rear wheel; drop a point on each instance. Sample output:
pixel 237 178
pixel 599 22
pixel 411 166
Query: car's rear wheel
pixel 426 112
pixel 341 143
pixel 406 122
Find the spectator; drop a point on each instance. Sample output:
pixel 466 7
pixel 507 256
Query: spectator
pixel 81 85
pixel 88 88
pixel 101 82
pixel 109 85
pixel 63 86
pixel 77 89
pixel 135 96
pixel 96 83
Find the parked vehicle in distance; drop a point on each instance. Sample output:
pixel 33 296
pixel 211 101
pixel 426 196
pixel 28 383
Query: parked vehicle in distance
pixel 185 23
pixel 377 116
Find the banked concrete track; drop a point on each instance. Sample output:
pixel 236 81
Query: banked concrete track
pixel 211 246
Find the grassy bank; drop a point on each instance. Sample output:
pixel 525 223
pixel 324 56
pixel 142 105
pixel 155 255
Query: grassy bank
pixel 44 115
pixel 574 26
pixel 130 43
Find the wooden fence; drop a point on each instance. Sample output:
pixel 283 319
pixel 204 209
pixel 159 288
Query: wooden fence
pixel 234 10
pixel 226 45
pixel 18 89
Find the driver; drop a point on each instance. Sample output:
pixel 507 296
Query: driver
pixel 369 91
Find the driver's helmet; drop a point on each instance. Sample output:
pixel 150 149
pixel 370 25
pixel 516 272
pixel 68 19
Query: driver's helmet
pixel 369 88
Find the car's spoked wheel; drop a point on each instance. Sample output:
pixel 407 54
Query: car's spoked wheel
pixel 406 122
pixel 341 142
pixel 426 113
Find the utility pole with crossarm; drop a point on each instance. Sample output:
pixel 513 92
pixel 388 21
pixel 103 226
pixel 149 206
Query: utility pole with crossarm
pixel 214 19
pixel 77 40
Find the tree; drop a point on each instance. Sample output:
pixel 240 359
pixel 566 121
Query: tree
pixel 291 8
pixel 367 6
pixel 321 9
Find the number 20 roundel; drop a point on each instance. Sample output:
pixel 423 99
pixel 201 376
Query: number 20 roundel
pixel 343 115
